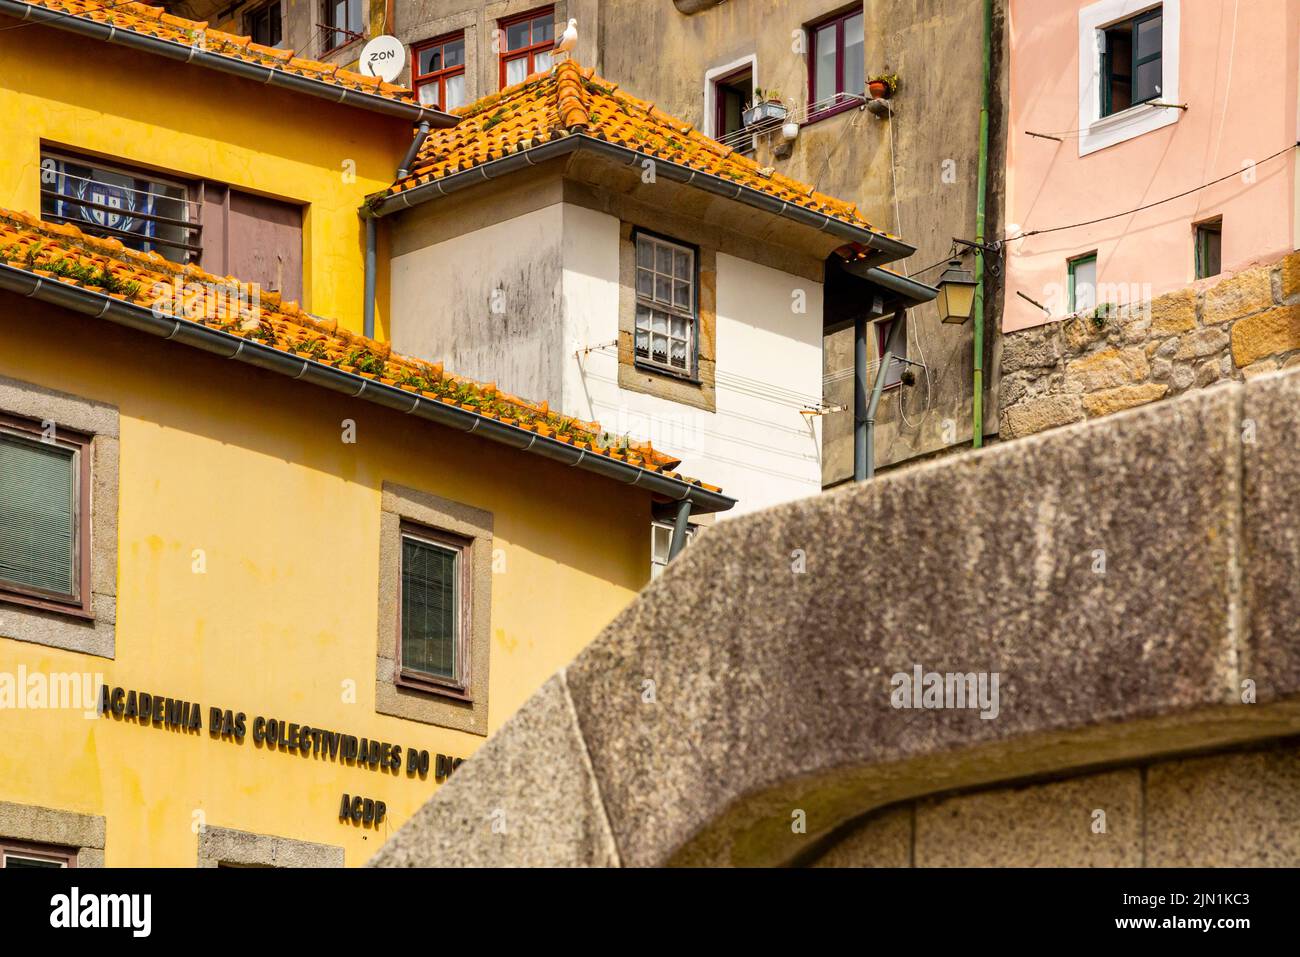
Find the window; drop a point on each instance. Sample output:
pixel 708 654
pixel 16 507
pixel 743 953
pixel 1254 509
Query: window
pixel 731 93
pixel 665 304
pixel 1083 283
pixel 435 610
pixel 264 25
pixel 661 539
pixel 1132 62
pixel 344 22
pixel 526 44
pixel 1209 248
pixel 438 73
pixel 434 607
pixel 894 374
pixel 1128 60
pixel 836 64
pixel 143 211
pixel 44 505
pixel 22 854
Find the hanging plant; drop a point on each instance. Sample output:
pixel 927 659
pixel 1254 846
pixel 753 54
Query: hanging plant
pixel 882 86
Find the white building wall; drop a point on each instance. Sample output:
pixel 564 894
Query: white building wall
pixel 487 304
pixel 532 304
pixel 757 445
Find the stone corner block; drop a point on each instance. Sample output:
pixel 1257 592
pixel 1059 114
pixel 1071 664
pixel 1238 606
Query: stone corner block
pixel 526 798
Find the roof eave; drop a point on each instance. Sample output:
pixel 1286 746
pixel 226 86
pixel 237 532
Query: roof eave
pixel 910 291
pixel 884 248
pixel 90 302
pixel 333 92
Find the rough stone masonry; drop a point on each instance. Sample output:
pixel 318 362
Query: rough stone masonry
pixel 1113 358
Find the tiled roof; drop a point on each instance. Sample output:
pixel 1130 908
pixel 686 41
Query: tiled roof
pixel 141 18
pixel 63 253
pixel 568 101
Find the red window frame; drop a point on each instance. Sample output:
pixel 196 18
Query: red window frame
pixel 530 51
pixel 815 95
pixel 440 77
pixel 720 103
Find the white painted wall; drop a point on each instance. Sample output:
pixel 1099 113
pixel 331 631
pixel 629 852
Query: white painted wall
pixel 757 445
pixel 487 304
pixel 556 271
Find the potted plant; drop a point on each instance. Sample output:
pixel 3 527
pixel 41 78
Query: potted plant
pixel 882 86
pixel 764 109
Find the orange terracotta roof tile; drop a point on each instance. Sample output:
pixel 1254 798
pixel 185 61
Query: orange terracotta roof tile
pixel 153 21
pixel 570 100
pixel 61 252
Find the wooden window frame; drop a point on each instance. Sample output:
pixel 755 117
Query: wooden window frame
pixel 1199 232
pixel 1134 61
pixel 440 77
pixel 193 201
pixel 256 13
pixel 720 104
pixel 337 36
pixel 65 855
pixel 1072 265
pixel 80 604
pixel 529 52
pixel 692 372
pixel 460 684
pixel 838 19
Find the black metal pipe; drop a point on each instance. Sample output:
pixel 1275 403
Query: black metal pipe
pixel 680 523
pixel 371 276
pixel 413 150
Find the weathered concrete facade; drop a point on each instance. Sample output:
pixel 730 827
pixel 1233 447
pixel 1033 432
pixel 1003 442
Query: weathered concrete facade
pixel 1139 611
pixel 1114 358
pixel 914 173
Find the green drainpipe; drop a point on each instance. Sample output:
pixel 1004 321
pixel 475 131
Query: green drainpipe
pixel 977 402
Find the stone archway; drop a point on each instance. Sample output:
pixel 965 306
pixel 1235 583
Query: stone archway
pixel 1123 578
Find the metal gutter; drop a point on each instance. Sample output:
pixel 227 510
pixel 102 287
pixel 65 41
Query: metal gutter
pixel 91 303
pixel 904 287
pixel 885 248
pixel 413 112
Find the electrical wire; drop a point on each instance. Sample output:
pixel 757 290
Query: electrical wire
pixel 1139 209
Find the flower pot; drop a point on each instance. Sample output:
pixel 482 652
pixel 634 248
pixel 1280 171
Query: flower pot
pixel 878 89
pixel 764 114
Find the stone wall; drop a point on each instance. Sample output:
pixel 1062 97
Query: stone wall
pixel 1236 809
pixel 1093 364
pixel 1132 583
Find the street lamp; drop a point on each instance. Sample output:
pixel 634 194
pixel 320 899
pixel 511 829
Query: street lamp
pixel 956 300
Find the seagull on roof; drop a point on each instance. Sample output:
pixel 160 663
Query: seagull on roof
pixel 568 39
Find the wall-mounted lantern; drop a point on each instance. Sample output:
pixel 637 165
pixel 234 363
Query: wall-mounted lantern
pixel 956 300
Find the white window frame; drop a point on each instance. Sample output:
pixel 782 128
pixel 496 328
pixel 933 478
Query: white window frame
pixel 1095 131
pixel 691 314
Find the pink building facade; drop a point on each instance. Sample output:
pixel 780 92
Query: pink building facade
pixel 1134 103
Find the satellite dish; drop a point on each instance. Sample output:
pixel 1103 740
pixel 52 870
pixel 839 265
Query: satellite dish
pixel 383 57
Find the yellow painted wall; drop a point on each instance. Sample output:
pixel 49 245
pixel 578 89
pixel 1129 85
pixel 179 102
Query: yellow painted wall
pixel 60 89
pixel 250 467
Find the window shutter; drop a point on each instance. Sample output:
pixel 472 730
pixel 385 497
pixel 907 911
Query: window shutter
pixel 38 492
pixel 430 608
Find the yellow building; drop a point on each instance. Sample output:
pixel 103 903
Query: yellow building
pixel 253 611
